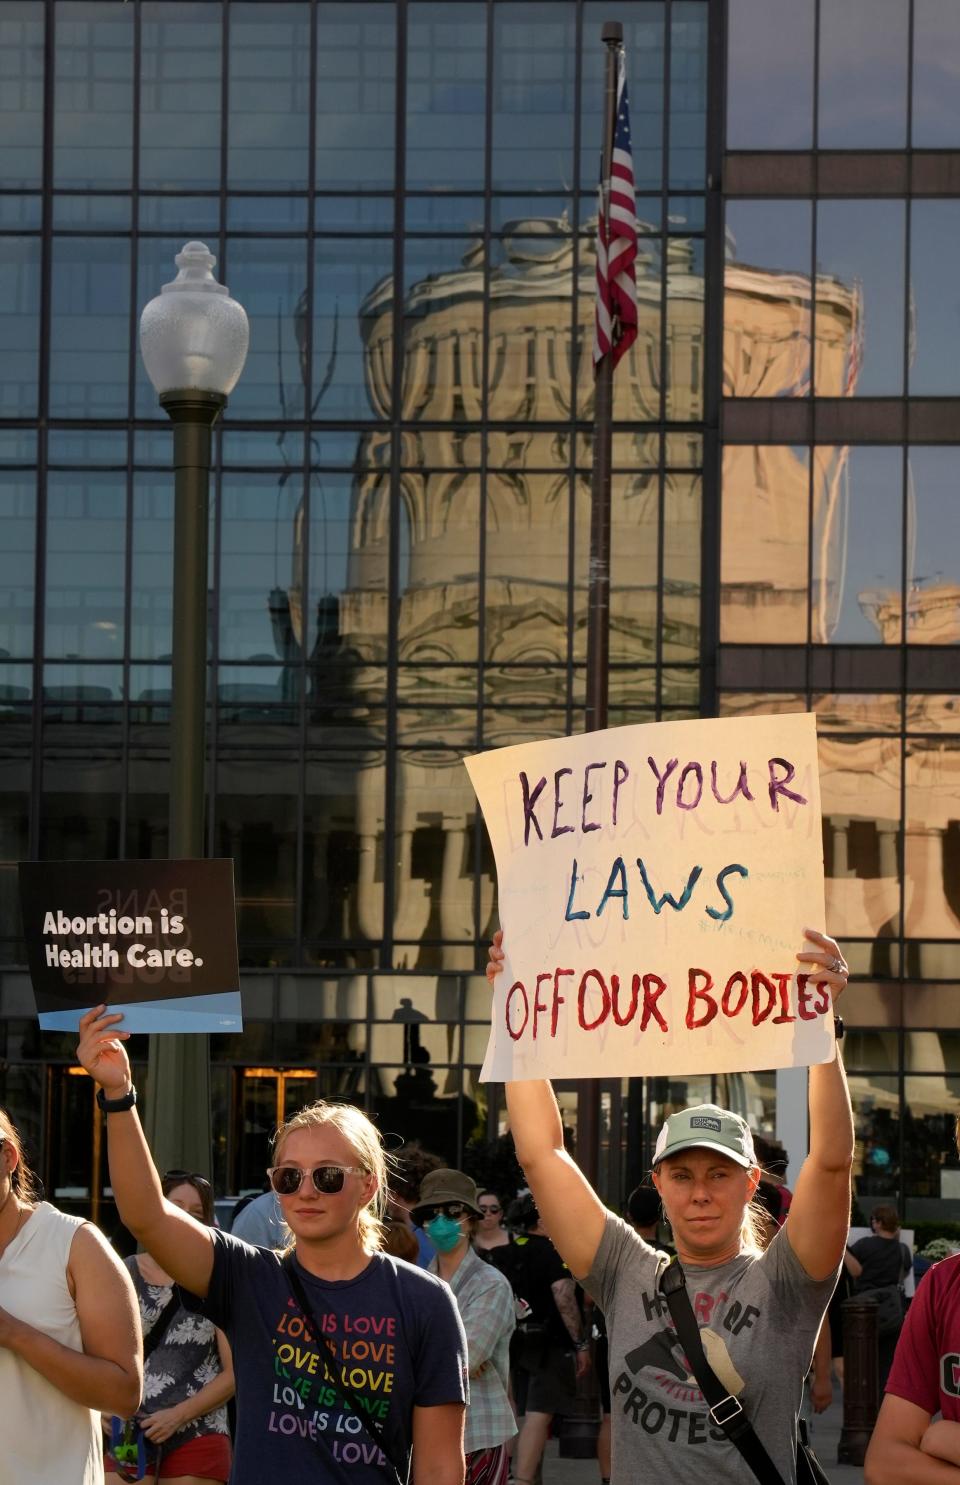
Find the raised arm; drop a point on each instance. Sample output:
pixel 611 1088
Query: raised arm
pixel 181 1245
pixel 570 1209
pixel 819 1217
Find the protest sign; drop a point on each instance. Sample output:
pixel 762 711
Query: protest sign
pixel 654 883
pixel 157 939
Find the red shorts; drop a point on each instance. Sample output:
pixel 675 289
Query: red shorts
pixel 207 1457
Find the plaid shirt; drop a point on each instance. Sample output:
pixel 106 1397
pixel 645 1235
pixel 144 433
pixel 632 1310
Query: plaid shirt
pixel 485 1301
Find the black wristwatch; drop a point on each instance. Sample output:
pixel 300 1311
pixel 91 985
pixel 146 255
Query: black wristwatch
pixel 838 1028
pixel 117 1105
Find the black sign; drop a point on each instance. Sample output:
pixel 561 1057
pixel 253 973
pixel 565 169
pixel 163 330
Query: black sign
pixel 128 932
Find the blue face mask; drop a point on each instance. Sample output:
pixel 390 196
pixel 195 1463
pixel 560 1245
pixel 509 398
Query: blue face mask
pixel 444 1233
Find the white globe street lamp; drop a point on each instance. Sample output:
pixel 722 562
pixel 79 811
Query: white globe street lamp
pixel 193 339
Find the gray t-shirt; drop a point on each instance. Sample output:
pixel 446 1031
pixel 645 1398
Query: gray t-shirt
pixel 758 1318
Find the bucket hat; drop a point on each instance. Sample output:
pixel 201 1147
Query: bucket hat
pixel 440 1186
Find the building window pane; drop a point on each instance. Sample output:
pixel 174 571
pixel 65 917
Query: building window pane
pixel 876 1159
pixel 864 46
pixel 92 127
pixel 530 360
pixel 269 93
pixel 17 541
pixel 268 276
pixel 256 825
pixel 936 103
pixel 19 325
pixel 343 849
pixel 934 299
pixel 180 95
pixel 932 851
pixel 688 94
pixel 356 95
pixel 770 75
pixel 446 89
pixel 86 537
pixel 151 584
pixel 533 95
pixel 80 808
pixel 933 578
pixel 261 517
pixel 860 792
pixel 766 302
pixel 857 546
pixel 681 567
pixel 90 327
pixel 353 328
pixel 764 544
pixel 860 298
pixel 929 1139
pixel 436 812
pixel 21 93
pixel 685 335
pixel 528 562
pixel 440 578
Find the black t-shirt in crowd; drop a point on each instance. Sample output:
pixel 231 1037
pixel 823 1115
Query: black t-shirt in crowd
pixel 883 1260
pixel 393 1335
pixel 532 1264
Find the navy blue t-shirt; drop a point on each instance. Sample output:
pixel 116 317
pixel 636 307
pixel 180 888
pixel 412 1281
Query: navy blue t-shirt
pixel 399 1344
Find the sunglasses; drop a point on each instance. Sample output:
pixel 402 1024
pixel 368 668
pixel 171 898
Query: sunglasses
pixel 286 1180
pixel 454 1209
pixel 489 1211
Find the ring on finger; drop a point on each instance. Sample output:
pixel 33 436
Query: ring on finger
pixel 837 967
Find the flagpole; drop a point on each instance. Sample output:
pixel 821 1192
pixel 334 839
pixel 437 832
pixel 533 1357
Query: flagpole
pixel 598 599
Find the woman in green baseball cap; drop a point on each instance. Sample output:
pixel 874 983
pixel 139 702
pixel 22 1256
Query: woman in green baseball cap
pixel 758 1310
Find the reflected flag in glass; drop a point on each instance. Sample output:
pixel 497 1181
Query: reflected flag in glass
pixel 615 325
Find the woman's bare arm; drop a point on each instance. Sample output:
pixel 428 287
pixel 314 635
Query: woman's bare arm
pixel 182 1246
pixel 107 1375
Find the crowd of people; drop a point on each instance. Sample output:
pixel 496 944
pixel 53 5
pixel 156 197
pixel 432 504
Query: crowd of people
pixel 372 1319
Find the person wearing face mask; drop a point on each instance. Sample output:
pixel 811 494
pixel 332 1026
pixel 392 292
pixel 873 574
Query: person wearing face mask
pixel 449 1212
pixel 188 1373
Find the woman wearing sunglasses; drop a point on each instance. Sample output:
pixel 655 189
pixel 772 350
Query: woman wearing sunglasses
pixel 187 1370
pixel 758 1311
pixel 346 1360
pixel 490 1232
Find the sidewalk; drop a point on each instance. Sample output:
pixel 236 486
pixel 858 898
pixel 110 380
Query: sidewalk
pixel 826 1436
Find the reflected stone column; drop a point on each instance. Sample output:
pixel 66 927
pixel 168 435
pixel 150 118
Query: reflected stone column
pixel 456 896
pixel 839 827
pixel 929 915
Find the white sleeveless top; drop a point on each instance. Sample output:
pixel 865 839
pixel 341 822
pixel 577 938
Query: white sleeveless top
pixel 50 1440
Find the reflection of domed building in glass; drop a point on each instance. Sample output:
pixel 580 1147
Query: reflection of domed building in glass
pixel 523 501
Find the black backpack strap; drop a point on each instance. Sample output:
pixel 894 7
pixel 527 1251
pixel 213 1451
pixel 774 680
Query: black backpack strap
pixel 328 1357
pixel 725 1410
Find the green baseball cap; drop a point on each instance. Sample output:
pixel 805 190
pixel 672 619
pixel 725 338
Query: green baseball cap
pixel 706 1127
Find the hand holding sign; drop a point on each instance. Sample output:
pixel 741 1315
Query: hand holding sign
pixel 100 1050
pixel 654 884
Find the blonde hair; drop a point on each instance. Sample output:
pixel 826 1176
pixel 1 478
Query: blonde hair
pixel 22 1180
pixel 755 1231
pixel 363 1137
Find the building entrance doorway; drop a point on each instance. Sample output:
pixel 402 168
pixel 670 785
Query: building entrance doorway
pixel 265 1098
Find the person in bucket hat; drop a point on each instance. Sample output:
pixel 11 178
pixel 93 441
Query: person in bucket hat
pixel 758 1310
pixel 449 1210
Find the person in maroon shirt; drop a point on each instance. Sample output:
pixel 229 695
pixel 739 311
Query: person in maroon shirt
pixel 924 1380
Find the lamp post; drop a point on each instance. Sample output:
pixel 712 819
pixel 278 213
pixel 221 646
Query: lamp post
pixel 193 339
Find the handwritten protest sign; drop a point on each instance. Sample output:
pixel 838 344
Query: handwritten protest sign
pixel 654 884
pixel 155 939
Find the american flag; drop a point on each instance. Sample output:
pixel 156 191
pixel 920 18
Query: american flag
pixel 615 327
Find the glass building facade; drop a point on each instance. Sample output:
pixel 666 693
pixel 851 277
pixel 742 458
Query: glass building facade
pixel 402 193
